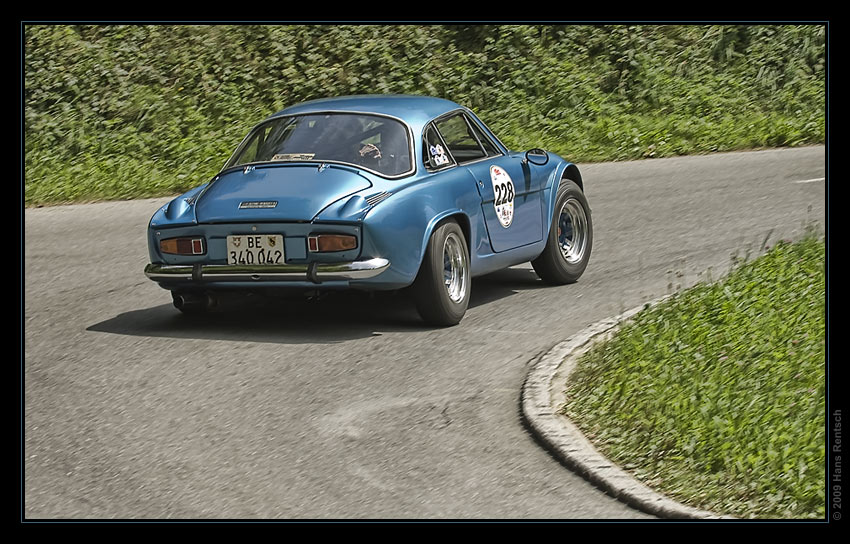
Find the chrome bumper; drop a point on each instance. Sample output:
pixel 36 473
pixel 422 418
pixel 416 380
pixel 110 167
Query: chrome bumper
pixel 314 272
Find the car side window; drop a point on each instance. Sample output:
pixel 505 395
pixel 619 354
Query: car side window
pixel 485 141
pixel 460 140
pixel 434 153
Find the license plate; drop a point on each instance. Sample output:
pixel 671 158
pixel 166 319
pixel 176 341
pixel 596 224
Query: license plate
pixel 255 249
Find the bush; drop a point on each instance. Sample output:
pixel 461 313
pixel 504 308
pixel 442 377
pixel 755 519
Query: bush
pixel 129 111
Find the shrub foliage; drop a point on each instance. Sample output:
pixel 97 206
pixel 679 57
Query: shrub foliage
pixel 114 111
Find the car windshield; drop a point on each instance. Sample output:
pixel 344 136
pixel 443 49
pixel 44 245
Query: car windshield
pixel 376 143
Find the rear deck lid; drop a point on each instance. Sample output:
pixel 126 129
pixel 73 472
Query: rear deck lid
pixel 277 192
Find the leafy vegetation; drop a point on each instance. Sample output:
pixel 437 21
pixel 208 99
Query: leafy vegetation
pixel 716 396
pixel 117 111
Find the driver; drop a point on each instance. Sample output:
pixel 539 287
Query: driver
pixel 369 154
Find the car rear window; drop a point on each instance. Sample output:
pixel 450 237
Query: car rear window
pixel 376 143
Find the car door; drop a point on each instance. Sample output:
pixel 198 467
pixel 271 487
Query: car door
pixel 510 197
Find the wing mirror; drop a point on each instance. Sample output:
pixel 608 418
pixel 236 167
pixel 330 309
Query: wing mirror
pixel 536 156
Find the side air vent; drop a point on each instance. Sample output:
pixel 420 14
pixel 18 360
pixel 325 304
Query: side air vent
pixel 377 198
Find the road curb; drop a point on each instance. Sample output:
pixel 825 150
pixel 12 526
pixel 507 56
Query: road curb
pixel 539 404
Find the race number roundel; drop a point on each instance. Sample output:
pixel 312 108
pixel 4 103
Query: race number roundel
pixel 503 187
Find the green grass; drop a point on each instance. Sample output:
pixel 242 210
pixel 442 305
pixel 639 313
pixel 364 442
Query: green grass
pixel 715 397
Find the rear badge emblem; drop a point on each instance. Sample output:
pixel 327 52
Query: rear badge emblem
pixel 253 205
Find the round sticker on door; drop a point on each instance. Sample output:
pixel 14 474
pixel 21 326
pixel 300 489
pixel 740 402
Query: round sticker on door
pixel 503 187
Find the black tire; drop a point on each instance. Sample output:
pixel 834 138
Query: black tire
pixel 440 302
pixel 570 238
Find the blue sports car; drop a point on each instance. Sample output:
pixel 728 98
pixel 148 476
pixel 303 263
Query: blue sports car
pixel 373 193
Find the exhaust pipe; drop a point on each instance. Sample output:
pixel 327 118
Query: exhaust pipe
pixel 193 303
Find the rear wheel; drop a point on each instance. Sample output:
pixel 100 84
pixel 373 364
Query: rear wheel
pixel 442 287
pixel 570 238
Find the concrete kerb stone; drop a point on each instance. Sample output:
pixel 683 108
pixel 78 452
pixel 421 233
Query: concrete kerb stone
pixel 542 395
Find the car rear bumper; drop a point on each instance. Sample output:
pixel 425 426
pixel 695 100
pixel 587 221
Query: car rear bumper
pixel 313 272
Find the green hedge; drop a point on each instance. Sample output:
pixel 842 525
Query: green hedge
pixel 130 111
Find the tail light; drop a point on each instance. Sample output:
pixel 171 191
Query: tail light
pixel 331 242
pixel 182 246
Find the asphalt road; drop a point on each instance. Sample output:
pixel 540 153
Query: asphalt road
pixel 349 407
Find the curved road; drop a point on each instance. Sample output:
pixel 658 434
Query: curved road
pixel 348 407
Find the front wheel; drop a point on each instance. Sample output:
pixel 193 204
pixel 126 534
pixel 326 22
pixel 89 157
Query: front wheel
pixel 442 287
pixel 570 238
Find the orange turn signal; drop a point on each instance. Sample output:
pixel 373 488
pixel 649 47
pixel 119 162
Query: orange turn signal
pixel 182 246
pixel 331 242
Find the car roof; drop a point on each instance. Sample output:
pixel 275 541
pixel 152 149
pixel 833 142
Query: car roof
pixel 414 110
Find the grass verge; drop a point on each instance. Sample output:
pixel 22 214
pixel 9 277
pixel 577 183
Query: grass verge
pixel 715 397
